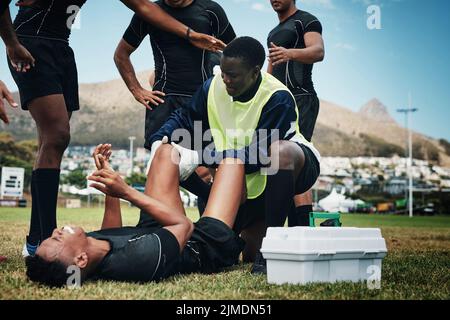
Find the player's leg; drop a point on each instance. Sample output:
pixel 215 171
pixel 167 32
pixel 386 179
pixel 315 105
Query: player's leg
pixel 227 193
pixel 163 178
pixel 52 121
pixel 308 113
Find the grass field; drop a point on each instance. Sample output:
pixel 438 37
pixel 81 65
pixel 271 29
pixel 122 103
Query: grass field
pixel 417 266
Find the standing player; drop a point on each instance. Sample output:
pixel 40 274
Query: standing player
pixel 180 68
pixel 294 46
pixel 50 92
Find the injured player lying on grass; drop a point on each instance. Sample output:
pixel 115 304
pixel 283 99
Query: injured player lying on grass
pixel 169 244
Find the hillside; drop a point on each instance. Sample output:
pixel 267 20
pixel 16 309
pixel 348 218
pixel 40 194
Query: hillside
pixel 110 113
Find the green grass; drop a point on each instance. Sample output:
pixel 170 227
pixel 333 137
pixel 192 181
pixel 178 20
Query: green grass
pixel 417 266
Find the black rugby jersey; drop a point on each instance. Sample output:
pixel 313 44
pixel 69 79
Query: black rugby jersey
pixel 290 35
pixel 137 254
pixel 51 19
pixel 179 66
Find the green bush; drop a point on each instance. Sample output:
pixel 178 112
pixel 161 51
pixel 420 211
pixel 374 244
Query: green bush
pixel 76 178
pixel 136 179
pixel 425 150
pixel 377 147
pixel 19 155
pixel 446 145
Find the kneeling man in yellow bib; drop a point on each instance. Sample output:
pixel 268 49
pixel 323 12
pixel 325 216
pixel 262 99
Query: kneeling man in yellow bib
pixel 246 114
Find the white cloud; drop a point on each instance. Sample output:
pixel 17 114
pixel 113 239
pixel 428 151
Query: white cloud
pixel 328 4
pixel 345 46
pixel 256 5
pixel 259 7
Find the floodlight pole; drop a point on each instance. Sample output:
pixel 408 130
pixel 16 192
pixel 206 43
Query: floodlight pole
pixel 407 113
pixel 131 154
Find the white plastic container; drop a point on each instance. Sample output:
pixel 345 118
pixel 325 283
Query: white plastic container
pixel 303 255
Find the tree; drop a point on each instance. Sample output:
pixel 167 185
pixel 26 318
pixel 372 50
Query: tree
pixel 76 178
pixel 446 145
pixel 136 179
pixel 19 155
pixel 425 150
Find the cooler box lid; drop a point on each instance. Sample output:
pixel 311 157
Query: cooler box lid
pixel 323 241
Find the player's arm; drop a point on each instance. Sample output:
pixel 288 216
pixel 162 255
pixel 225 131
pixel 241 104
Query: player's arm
pixel 222 27
pixel 112 216
pixel 19 56
pixel 313 52
pixel 6 29
pixel 185 117
pixel 153 14
pixel 269 67
pixel 5 94
pixel 123 62
pixel 110 183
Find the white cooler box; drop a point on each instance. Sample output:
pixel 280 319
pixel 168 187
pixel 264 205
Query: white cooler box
pixel 303 255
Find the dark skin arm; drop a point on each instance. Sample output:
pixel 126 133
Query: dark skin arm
pixel 126 69
pixel 171 217
pixel 111 183
pixel 269 67
pixel 314 51
pixel 6 29
pixel 153 14
pixel 5 94
pixel 112 217
pixel 19 56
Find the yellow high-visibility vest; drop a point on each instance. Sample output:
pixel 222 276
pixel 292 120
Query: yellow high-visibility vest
pixel 233 123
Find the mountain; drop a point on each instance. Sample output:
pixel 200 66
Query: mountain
pixel 376 111
pixel 109 113
pixel 342 132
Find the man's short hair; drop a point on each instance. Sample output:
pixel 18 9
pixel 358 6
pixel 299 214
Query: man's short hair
pixel 247 48
pixel 52 274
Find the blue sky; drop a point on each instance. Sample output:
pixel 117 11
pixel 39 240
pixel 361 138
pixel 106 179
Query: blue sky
pixel 408 54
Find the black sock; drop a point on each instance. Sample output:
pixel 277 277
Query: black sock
pixel 279 197
pixel 200 188
pixel 300 216
pixel 34 236
pixel 201 205
pixel 197 186
pixel 47 185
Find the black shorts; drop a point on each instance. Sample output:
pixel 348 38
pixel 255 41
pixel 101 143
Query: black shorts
pixel 254 210
pixel 156 118
pixel 308 110
pixel 55 72
pixel 212 247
